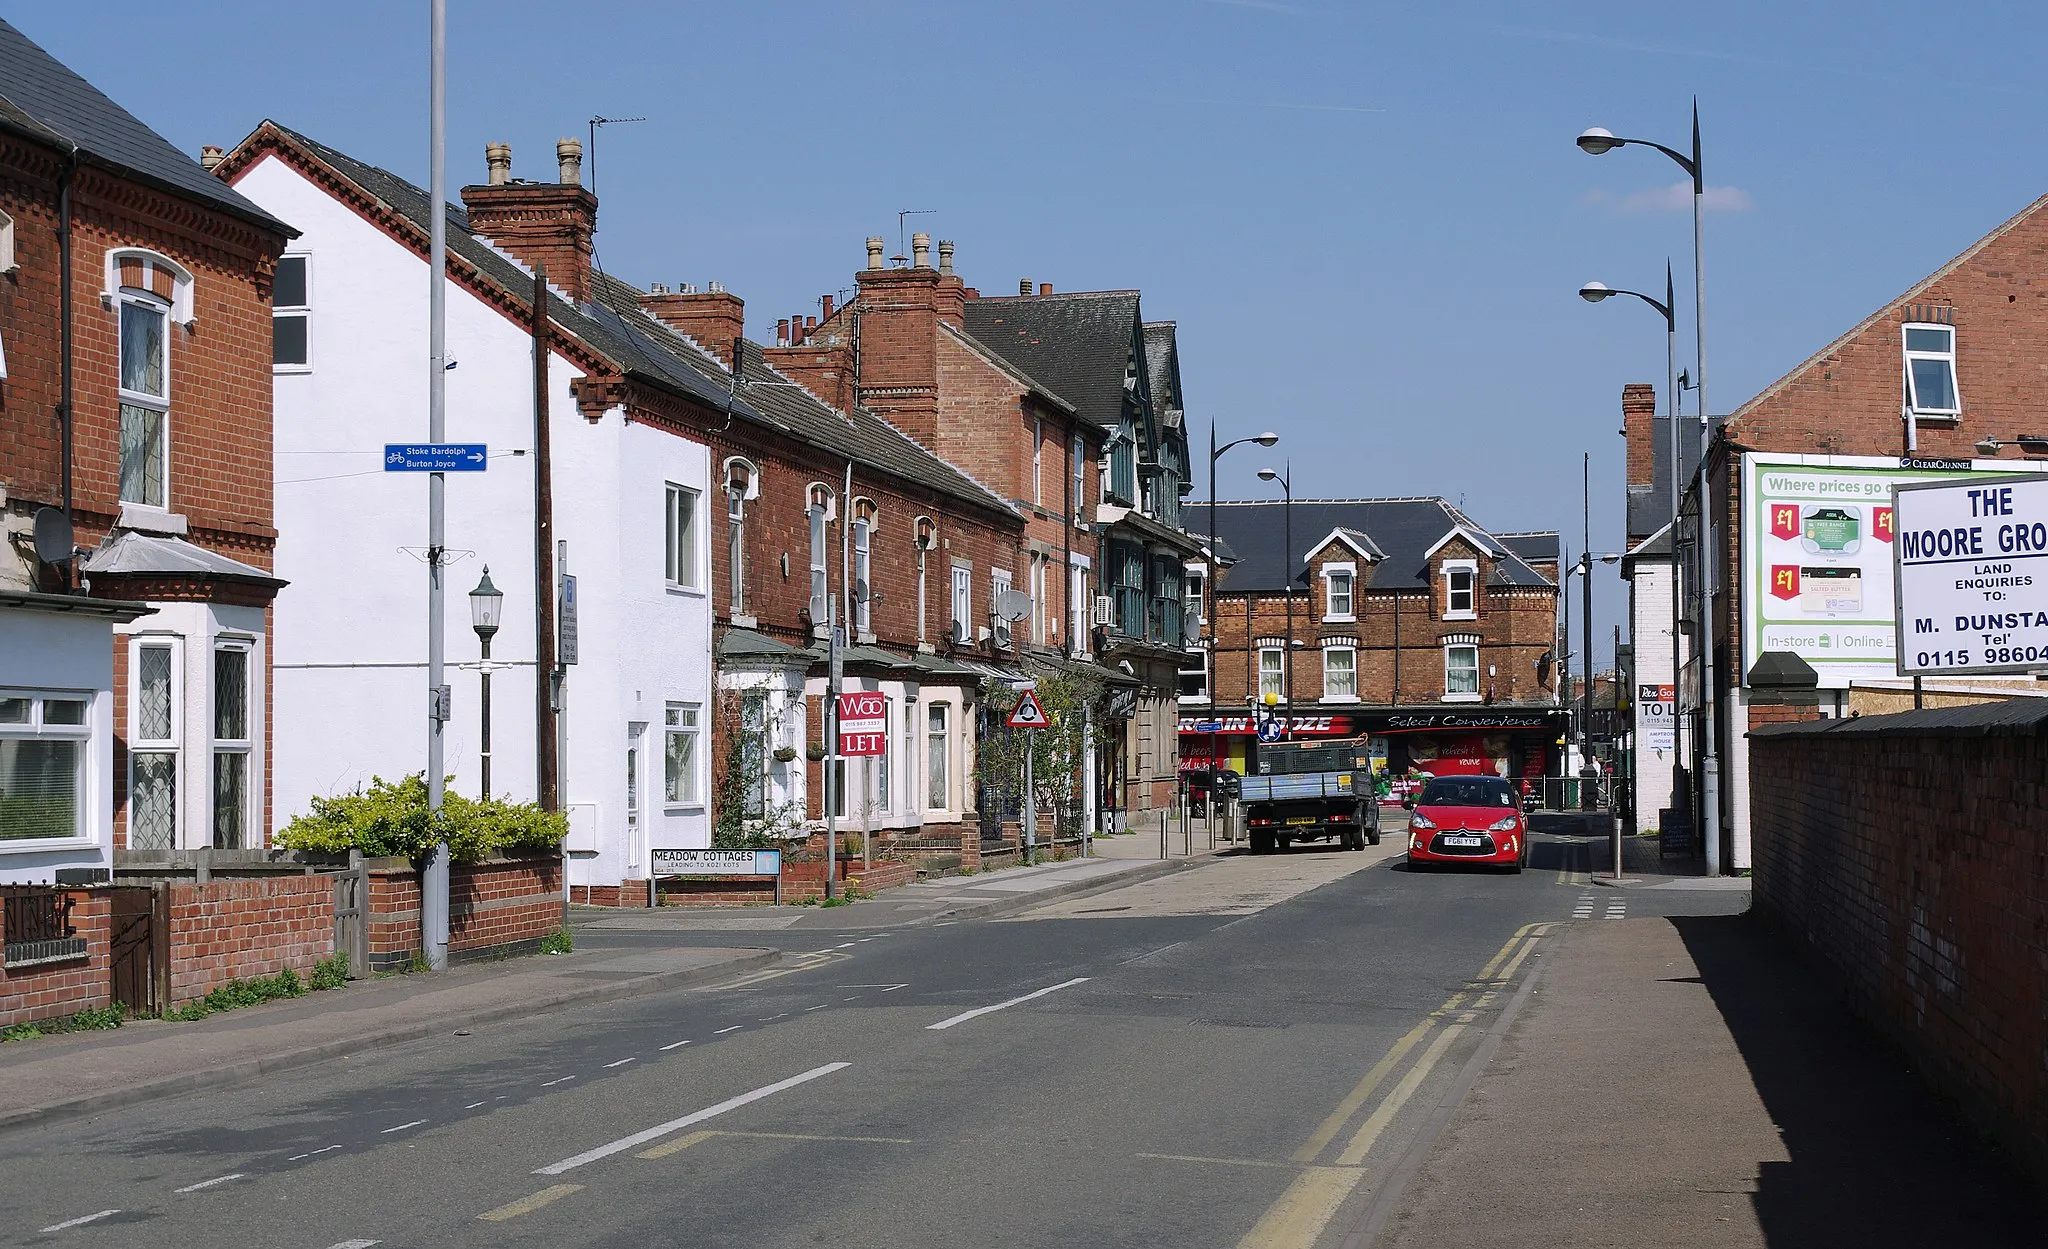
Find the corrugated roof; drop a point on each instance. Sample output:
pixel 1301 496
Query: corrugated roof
pixel 1078 345
pixel 1404 529
pixel 50 103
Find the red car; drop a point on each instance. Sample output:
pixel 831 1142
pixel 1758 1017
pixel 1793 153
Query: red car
pixel 1467 819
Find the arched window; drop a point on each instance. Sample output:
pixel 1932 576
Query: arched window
pixel 819 510
pixel 142 299
pixel 863 565
pixel 742 482
pixel 138 269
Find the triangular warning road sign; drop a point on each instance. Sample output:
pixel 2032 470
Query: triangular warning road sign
pixel 1029 714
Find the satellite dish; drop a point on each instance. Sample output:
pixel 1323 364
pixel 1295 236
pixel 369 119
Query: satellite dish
pixel 1013 605
pixel 860 591
pixel 54 539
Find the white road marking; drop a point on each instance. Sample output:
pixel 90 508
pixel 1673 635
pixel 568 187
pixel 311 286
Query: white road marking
pixel 218 1179
pixel 355 1244
pixel 979 1011
pixel 402 1127
pixel 312 1152
pixel 58 1227
pixel 677 1045
pixel 474 1105
pixel 819 1006
pixel 660 1130
pixel 622 1062
pixel 552 1083
pixel 886 988
pixel 847 945
pixel 735 1028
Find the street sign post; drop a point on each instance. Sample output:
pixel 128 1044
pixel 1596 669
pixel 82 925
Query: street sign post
pixel 1972 576
pixel 435 457
pixel 1029 714
pixel 863 723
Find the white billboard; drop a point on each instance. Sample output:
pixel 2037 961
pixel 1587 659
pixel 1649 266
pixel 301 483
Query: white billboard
pixel 1817 556
pixel 1972 575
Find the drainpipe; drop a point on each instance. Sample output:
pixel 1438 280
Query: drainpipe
pixel 64 307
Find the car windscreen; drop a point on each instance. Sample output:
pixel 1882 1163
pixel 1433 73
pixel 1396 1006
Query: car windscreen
pixel 1466 791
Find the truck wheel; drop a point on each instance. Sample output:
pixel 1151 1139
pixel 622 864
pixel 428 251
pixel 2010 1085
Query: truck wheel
pixel 1286 844
pixel 1262 843
pixel 1373 838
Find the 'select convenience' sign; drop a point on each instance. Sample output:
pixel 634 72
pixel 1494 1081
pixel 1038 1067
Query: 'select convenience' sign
pixel 1972 576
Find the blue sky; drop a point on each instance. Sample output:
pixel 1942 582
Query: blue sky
pixel 1368 219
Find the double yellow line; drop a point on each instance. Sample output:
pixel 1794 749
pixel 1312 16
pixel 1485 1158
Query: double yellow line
pixel 1299 1216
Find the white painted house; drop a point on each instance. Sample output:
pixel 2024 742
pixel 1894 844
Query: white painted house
pixel 630 500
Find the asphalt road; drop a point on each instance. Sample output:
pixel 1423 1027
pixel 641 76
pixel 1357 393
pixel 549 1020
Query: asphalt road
pixel 1206 1059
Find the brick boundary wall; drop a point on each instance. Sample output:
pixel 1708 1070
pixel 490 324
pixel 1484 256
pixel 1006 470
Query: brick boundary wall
pixel 242 929
pixel 54 990
pixel 496 908
pixel 1907 856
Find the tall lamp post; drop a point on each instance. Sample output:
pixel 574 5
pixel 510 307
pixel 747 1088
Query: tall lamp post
pixel 1597 142
pixel 1266 439
pixel 1286 479
pixel 485 604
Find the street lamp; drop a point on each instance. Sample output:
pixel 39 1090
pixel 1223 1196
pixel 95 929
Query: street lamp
pixel 1286 479
pixel 1593 293
pixel 2029 444
pixel 1266 439
pixel 1598 142
pixel 485 603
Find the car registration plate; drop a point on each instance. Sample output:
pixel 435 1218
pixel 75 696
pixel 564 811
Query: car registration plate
pixel 1301 819
pixel 1461 841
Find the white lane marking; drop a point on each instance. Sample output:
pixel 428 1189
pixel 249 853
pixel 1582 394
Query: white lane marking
pixel 58 1227
pixel 218 1179
pixel 355 1244
pixel 770 1018
pixel 474 1105
pixel 819 1006
pixel 676 1045
pixel 312 1152
pixel 660 1130
pixel 735 1028
pixel 855 998
pixel 979 1011
pixel 622 1062
pixel 848 945
pixel 401 1127
pixel 552 1083
pixel 867 938
pixel 886 988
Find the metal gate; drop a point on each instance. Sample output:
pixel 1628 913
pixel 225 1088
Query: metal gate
pixel 135 950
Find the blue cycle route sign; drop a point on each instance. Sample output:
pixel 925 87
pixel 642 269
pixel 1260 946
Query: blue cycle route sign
pixel 435 457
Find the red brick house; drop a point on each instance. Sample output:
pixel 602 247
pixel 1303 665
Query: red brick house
pixel 135 354
pixel 1399 620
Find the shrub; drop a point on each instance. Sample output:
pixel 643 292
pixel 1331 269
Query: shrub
pixel 392 820
pixel 330 972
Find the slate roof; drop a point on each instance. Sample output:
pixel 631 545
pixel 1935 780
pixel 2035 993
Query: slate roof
pixel 1540 546
pixel 49 103
pixel 614 324
pixel 1649 507
pixel 1403 528
pixel 1162 364
pixel 1078 345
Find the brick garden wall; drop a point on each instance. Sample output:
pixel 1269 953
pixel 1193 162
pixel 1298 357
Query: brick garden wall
pixel 53 990
pixel 1905 856
pixel 496 908
pixel 241 929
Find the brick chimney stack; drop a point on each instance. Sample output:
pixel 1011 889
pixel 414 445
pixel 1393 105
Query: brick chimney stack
pixel 548 223
pixel 1638 407
pixel 714 317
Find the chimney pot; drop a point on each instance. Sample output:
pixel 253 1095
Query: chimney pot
pixel 782 332
pixel 210 156
pixel 715 287
pixel 874 251
pixel 686 288
pixel 946 257
pixel 826 304
pixel 921 250
pixel 1045 288
pixel 810 327
pixel 569 156
pixel 1023 286
pixel 657 288
pixel 498 159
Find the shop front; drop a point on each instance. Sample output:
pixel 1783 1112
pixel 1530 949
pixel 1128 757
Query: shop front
pixel 1404 743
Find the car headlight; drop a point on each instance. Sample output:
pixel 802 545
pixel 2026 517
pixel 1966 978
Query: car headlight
pixel 1504 824
pixel 1419 820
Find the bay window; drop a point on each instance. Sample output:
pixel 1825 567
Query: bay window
pixel 153 737
pixel 937 753
pixel 231 747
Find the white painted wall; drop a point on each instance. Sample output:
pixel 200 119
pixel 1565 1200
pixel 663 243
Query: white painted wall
pixel 195 630
pixel 350 644
pixel 71 655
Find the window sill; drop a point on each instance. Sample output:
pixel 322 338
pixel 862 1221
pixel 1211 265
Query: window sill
pixel 1338 698
pixel 42 845
pixel 1938 418
pixel 144 518
pixel 1459 615
pixel 1349 619
pixel 744 622
pixel 1461 698
pixel 284 369
pixel 686 591
pixel 682 808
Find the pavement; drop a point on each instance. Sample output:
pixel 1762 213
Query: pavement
pixel 1686 1081
pixel 79 1073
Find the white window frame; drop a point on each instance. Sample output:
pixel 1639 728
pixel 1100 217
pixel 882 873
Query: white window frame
pixel 1038 460
pixel 818 509
pixel 1461 696
pixel 7 262
pixel 171 745
pixel 1470 567
pixel 1192 661
pixel 906 779
pixel 1278 674
pixel 963 595
pixel 225 747
pixel 1348 573
pixel 682 792
pixel 684 554
pixel 159 404
pixel 302 312
pixel 1078 605
pixel 925 537
pixel 35 729
pixel 863 543
pixel 938 731
pixel 1077 506
pixel 1348 650
pixel 1946 357
pixel 999 580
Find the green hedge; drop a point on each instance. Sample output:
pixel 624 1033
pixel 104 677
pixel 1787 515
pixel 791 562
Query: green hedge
pixel 392 820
